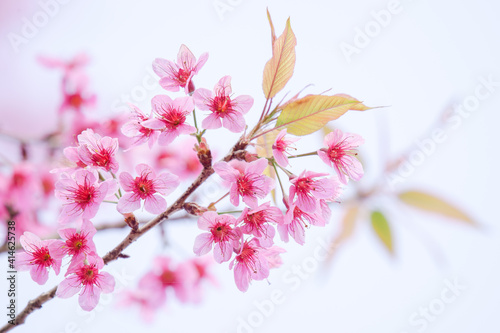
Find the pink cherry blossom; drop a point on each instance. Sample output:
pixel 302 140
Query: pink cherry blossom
pixel 80 243
pixel 135 129
pixel 257 222
pixel 39 256
pixel 226 111
pixel 281 148
pixel 295 222
pixel 78 61
pixel 176 75
pixel 245 180
pixel 148 187
pixel 148 299
pixel 221 235
pixel 249 264
pixel 97 151
pixel 340 152
pixel 85 277
pixel 81 194
pixel 309 190
pixel 170 117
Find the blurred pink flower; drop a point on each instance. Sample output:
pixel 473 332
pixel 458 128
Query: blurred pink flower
pixel 221 234
pixel 272 255
pixel 170 117
pixel 84 277
pixel 39 256
pixel 249 264
pixel 176 75
pixel 148 187
pixel 341 152
pixel 226 111
pixel 245 180
pixel 281 147
pixel 164 275
pixel 180 159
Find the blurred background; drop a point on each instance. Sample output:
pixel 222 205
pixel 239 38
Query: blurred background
pixel 434 66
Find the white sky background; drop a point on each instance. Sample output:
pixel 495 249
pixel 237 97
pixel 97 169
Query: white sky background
pixel 430 56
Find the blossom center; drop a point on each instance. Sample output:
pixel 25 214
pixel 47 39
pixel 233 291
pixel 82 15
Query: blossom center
pixel 144 186
pixel 168 278
pixel 75 100
pixel 42 257
pixel 221 104
pixel 84 195
pixel 88 274
pixel 76 243
pixel 174 118
pixel 220 232
pixel 182 77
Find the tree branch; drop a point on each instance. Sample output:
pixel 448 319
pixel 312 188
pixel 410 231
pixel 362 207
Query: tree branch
pixel 133 234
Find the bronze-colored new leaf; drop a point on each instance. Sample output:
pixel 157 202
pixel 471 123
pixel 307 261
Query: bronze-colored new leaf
pixel 264 148
pixel 346 230
pixel 382 229
pixel 431 203
pixel 312 112
pixel 279 69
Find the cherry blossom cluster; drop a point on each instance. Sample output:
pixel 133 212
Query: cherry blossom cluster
pixel 84 274
pixel 134 162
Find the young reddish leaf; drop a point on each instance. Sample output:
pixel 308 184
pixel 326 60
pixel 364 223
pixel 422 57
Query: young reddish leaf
pixel 273 34
pixel 279 68
pixel 346 230
pixel 430 203
pixel 312 112
pixel 382 229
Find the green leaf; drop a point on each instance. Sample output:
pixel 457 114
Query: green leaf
pixel 431 203
pixel 312 112
pixel 382 229
pixel 279 69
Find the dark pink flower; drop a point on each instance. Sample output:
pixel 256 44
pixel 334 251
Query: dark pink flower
pixel 340 152
pixel 134 129
pixel 170 117
pixel 98 152
pixel 310 190
pixel 245 180
pixel 75 93
pixel 221 235
pixel 176 75
pixel 39 256
pixel 249 264
pixel 281 147
pixel 78 244
pixel 148 187
pixel 257 222
pixel 226 111
pixel 85 277
pixel 180 159
pixel 81 195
